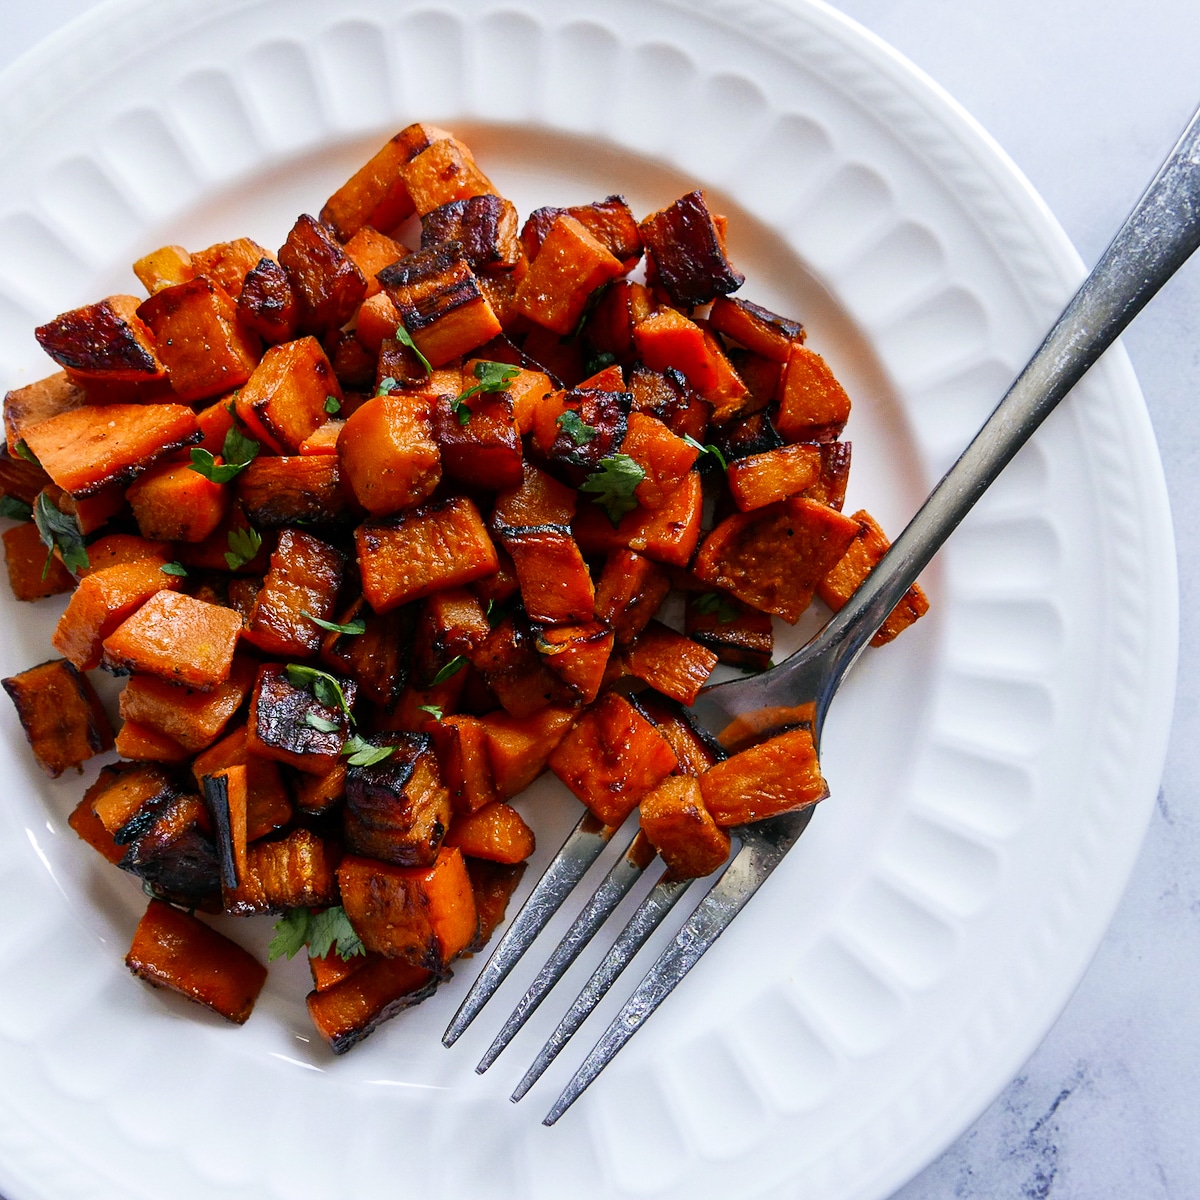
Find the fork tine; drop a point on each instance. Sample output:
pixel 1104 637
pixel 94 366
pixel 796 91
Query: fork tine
pixel 649 915
pixel 582 847
pixel 763 848
pixel 625 872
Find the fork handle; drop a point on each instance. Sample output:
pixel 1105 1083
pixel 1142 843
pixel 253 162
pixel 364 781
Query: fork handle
pixel 1156 239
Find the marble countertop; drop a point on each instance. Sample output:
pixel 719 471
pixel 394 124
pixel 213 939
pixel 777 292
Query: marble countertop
pixel 1086 96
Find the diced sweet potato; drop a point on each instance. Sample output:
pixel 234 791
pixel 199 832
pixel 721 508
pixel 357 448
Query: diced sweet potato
pixel 755 327
pixel 33 572
pixel 107 342
pixel 172 852
pixel 295 489
pixel 293 872
pixel 424 915
pixel 163 267
pixel 856 564
pixel 555 584
pixel 126 791
pixel 611 758
pixel 441 173
pixel 302 584
pixel 327 283
pixel 268 304
pixel 177 951
pixel 225 794
pixel 330 969
pixel 280 728
pixel 682 830
pixel 610 221
pixel 485 226
pixel 664 458
pixel 185 641
pixel 61 715
pixel 378 657
pixel 35 402
pixel 388 453
pixel 630 590
pixel 688 249
pixel 205 350
pixel 193 719
pixel 740 636
pixel 518 747
pixel 140 743
pixel 813 406
pixel 87 449
pixel 460 743
pixel 578 655
pixel 283 402
pixel 228 263
pixel 496 832
pixel 668 339
pixel 478 439
pixel 116 548
pixel 761 479
pixel 512 668
pixel 670 662
pixel 319 793
pixel 345 1012
pixel 267 803
pixel 89 828
pixel 667 534
pixel 776 776
pixel 420 551
pixel 452 624
pixel 694 746
pixel 173 503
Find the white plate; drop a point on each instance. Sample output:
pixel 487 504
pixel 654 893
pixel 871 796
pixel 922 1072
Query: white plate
pixel 992 771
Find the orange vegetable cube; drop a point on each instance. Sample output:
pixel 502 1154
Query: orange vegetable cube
pixel 116 548
pixel 193 719
pixel 776 776
pixel 460 744
pixel 388 454
pixel 228 263
pixel 267 302
pixel 173 503
pixel 518 747
pixel 105 342
pixel 140 743
pixel 668 339
pixel 371 251
pixel 163 268
pixel 755 327
pixel 33 572
pixel 761 479
pixel 667 534
pixel 630 590
pixel 349 1009
pixel 496 832
pixel 327 284
pixel 302 583
pixel 665 458
pixel 813 406
pixel 283 402
pixel 669 662
pixel 442 172
pixel 35 402
pixel 682 830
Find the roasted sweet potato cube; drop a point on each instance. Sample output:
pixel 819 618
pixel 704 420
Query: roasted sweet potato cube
pixel 695 748
pixel 297 871
pixel 345 1012
pixel 539 500
pixel 330 969
pixel 397 810
pixel 371 251
pixel 856 564
pixel 225 793
pixel 830 486
pixel 114 549
pixel 420 551
pixel 518 747
pixel 578 655
pixel 496 832
pixel 424 915
pixel 289 724
pixel 630 590
pixel 388 453
pixel 191 718
pixel 604 413
pixel 761 479
pixel 185 641
pixel 774 557
pixel 87 449
pixel 283 403
pixel 320 793
pixel 88 827
pixel 484 450
pixel 228 263
pixel 511 666
pixel 460 744
pixel 104 599
pixel 669 396
pixel 295 489
pixel 60 714
pixel 140 743
pixel 267 303
pixel 376 193
pixel 163 267
pixel 327 283
pixel 452 624
pixel 776 776
pixel 813 406
pixel 173 853
pixel 108 342
pixel 35 402
pixel 755 327
pixel 173 503
pixel 205 350
pixel 126 796
pixel 441 173
pixel 681 829
pixel 267 804
pixel 571 264
pixel 670 662
pixel 175 950
pixel 740 636
pixel 555 584
pixel 609 221
pixel 302 584
pixel 612 758
pixel 667 534
pixel 668 340
pixel 688 250
pixel 440 302
pixel 664 458
pixel 743 436
pixel 33 571
pixel 728 395
pixel 377 659
pixel 485 226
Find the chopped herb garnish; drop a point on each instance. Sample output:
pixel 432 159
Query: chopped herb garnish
pixel 238 451
pixel 597 363
pixel 386 385
pixel 322 685
pixel 613 485
pixel 61 532
pixel 174 568
pixel 433 710
pixel 493 377
pixel 23 451
pixel 358 625
pixel 244 544
pixel 332 405
pixel 717 605
pixel 360 753
pixel 709 449
pixel 453 667
pixel 14 509
pixel 320 931
pixel 405 339
pixel 291 934
pixel 572 424
pixel 321 724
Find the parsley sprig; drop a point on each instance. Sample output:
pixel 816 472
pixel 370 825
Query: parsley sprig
pixel 321 931
pixel 238 451
pixel 244 544
pixel 328 691
pixel 613 485
pixel 358 625
pixel 709 449
pixel 14 509
pixel 59 531
pixel 405 339
pixel 453 667
pixel 493 377
pixel 573 425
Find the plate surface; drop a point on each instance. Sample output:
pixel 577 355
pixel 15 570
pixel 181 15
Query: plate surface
pixel 992 771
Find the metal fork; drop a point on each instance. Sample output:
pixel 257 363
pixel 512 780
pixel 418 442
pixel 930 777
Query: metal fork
pixel 1156 239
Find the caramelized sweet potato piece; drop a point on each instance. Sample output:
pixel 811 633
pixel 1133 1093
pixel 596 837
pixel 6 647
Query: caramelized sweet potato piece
pixel 140 743
pixel 605 415
pixel 493 884
pixel 755 327
pixel 377 659
pixel 695 748
pixel 185 641
pixel 114 549
pixel 88 827
pixel 319 793
pixel 451 625
pixel 484 226
pixel 688 249
pixel 35 402
pixel 484 450
pixel 228 263
pixel 193 719
pixel 460 744
pixel 668 340
pixel 327 283
pixel 302 583
pixel 283 403
pixel 667 534
pixel 555 584
pixel 611 758
pixel 856 564
pixel 345 1012
pixel 21 479
pixel 610 221
pixel 740 636
pixel 761 479
pixel 578 655
pixel 511 666
pixel 330 969
pixel 371 251
pixel 397 810
pixel 424 915
pixel 107 342
pixel 496 832
pixel 420 551
pixel 664 458
pixel 163 267
pixel 267 303
pixel 388 454
pixel 205 350
pixel 177 951
pixel 776 776
pixel 173 853
pixel 292 872
pixel 225 794
pixel 33 572
pixel 440 302
pixel 279 727
pixel 267 804
pixel 295 489
pixel 87 449
pixel 519 747
pixel 813 406
pixel 630 590
pixel 681 829
pixel 668 396
pixel 571 264
pixel 61 715
pixel 126 796
pixel 670 662
pixel 444 171
pixel 173 503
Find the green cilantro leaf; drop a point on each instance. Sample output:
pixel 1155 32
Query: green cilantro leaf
pixel 322 685
pixel 597 363
pixel 23 451
pixel 405 339
pixel 718 605
pixel 332 405
pixel 244 544
pixel 238 451
pixel 358 625
pixel 332 929
pixel 321 724
pixel 386 385
pixel 360 753
pixel 174 568
pixel 493 377
pixel 291 934
pixel 461 411
pixel 710 449
pixel 613 485
pixel 204 464
pixel 59 531
pixel 433 710
pixel 574 427
pixel 453 667
pixel 14 509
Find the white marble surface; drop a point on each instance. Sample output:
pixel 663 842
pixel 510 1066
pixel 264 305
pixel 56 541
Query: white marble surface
pixel 1086 96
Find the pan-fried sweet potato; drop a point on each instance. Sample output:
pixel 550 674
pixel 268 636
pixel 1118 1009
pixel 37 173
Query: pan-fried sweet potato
pixel 511 666
pixel 35 402
pixel 664 458
pixel 478 440
pixel 813 406
pixel 88 827
pixel 610 221
pixel 755 327
pixel 173 503
pixel 126 791
pixel 695 748
pixel 761 479
pixel 518 747
pixel 377 659
pixel 301 584
pixel 32 574
pixel 174 950
pixel 283 402
pixel 681 829
pixel 388 453
pixel 140 743
pixel 105 342
pixel 485 226
pixel 326 281
pixel 460 744
pixel 292 872
pixel 444 171
pixel 578 655
pixel 773 777
pixel 345 1012
pixel 225 793
pixel 667 534
pixel 496 832
pixel 687 246
pixel 630 590
pixel 670 662
pixel 163 267
pixel 267 804
pixel 295 489
pixel 290 725
pixel 267 302
pixel 739 635
pixel 172 852
pixel 116 548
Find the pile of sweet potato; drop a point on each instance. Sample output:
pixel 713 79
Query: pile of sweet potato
pixel 377 529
